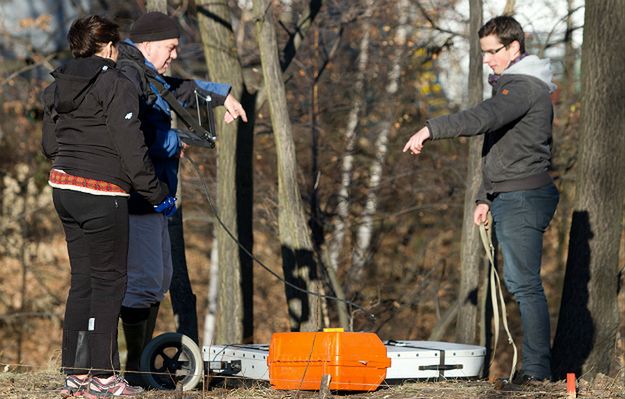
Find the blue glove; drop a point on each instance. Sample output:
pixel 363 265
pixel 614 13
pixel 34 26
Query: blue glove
pixel 167 207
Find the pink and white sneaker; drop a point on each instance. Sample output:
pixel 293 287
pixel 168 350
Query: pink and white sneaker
pixel 74 386
pixel 113 386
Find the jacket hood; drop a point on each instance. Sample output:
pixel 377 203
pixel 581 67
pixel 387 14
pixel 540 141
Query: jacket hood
pixel 75 78
pixel 533 66
pixel 127 50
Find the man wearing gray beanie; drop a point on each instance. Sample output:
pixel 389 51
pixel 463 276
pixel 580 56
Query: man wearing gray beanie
pixel 144 57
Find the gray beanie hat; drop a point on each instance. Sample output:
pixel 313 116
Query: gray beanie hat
pixel 154 26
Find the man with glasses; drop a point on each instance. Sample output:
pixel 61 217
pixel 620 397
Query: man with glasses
pixel 516 186
pixel 144 58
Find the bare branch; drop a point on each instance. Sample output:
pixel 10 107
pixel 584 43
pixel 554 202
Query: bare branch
pixel 43 62
pixel 433 23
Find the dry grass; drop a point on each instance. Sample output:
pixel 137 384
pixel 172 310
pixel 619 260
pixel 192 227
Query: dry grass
pixel 14 385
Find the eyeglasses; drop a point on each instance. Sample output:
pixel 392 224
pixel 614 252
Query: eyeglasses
pixel 492 52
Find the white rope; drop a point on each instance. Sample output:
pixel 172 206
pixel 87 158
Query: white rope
pixel 496 296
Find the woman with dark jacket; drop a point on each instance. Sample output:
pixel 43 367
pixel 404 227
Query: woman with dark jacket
pixel 92 134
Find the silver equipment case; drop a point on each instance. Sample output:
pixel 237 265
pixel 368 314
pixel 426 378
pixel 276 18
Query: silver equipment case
pixel 432 359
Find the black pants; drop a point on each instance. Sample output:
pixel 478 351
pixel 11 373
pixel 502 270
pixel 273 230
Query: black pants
pixel 96 230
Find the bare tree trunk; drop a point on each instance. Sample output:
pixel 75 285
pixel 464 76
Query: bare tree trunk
pixel 288 14
pixel 298 260
pixel 234 178
pixel 315 223
pixel 509 8
pixel 296 39
pixel 589 315
pixel 210 320
pixel 297 36
pixel 569 55
pixel 568 96
pixel 333 250
pixel 342 209
pixel 365 230
pixel 315 220
pixel 25 260
pixel 471 251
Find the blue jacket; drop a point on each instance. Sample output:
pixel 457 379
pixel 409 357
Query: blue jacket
pixel 162 140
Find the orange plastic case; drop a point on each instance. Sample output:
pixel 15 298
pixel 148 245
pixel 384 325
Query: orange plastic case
pixel 354 361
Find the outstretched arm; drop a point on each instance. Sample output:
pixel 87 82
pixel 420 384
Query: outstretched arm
pixel 415 143
pixel 220 92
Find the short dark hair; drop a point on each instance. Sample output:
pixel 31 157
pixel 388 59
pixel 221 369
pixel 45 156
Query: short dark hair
pixel 89 34
pixel 506 28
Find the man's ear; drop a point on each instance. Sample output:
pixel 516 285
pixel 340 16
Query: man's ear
pixel 515 46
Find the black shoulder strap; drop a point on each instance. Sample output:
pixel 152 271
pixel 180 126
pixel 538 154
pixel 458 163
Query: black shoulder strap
pixel 143 82
pixel 204 136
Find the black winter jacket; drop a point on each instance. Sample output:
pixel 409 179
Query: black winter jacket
pixel 517 123
pixel 91 127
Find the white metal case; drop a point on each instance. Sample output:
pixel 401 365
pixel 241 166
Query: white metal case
pixel 244 361
pixel 432 359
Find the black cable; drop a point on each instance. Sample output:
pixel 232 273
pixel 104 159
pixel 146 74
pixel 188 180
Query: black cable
pixel 370 316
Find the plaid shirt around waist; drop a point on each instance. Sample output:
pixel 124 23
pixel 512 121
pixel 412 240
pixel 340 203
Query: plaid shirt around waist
pixel 63 180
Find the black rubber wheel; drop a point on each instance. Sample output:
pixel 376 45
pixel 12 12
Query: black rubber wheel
pixel 172 359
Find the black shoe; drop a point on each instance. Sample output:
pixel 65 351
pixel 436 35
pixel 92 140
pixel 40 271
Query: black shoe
pixel 527 379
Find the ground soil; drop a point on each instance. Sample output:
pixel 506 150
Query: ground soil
pixel 29 385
